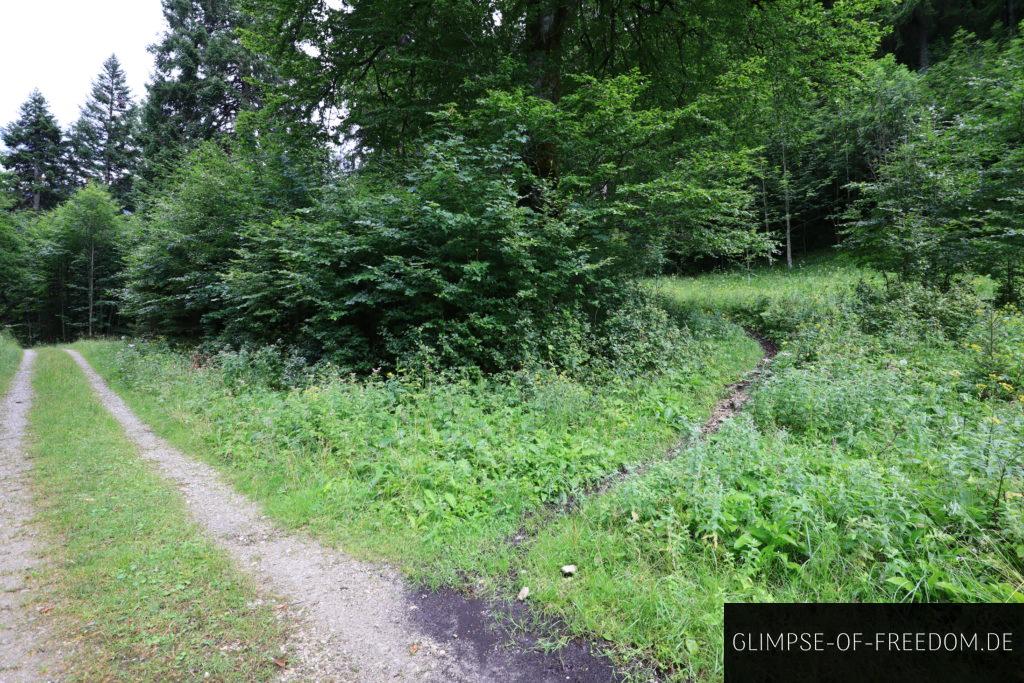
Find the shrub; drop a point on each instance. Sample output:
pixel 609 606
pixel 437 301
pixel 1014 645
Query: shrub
pixel 903 309
pixel 995 366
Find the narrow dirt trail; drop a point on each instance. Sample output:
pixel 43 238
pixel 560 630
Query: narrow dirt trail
pixel 26 651
pixel 734 398
pixel 356 621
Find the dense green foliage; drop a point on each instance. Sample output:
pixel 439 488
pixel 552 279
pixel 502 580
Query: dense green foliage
pixel 78 249
pixel 495 222
pixel 35 155
pixel 104 139
pixel 497 210
pixel 947 198
pixel 201 82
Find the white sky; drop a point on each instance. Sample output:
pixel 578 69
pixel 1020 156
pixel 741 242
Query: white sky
pixel 59 46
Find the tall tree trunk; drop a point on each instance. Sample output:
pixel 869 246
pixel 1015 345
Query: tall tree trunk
pixel 764 202
pixel 924 58
pixel 62 289
pixel 546 22
pixel 92 281
pixel 785 194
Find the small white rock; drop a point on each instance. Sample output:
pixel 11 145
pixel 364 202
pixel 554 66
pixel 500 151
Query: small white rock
pixel 524 592
pixel 569 570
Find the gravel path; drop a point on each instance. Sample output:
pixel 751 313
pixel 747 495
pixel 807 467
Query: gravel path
pixel 26 652
pixel 356 621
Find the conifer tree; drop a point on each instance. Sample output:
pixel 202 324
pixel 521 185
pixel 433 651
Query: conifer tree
pixel 202 78
pixel 35 155
pixel 103 140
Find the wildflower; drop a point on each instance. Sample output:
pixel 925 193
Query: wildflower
pixel 1008 387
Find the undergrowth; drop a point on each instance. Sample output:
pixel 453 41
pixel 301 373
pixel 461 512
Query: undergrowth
pixel 870 467
pixel 10 357
pixel 432 471
pixel 880 460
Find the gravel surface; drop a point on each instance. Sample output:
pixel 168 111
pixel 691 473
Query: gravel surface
pixel 355 621
pixel 26 651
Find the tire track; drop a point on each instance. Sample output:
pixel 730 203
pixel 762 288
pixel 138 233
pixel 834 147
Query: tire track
pixel 27 653
pixel 736 396
pixel 355 621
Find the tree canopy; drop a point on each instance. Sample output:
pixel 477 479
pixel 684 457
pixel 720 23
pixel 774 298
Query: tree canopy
pixel 489 182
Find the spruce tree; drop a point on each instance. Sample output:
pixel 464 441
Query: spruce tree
pixel 201 81
pixel 35 155
pixel 103 140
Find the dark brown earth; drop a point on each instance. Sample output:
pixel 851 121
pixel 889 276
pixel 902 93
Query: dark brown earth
pixel 483 632
pixel 738 394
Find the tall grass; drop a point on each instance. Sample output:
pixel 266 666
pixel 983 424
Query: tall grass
pixel 867 469
pixel 432 473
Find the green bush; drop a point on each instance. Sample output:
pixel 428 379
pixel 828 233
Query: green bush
pixel 995 364
pixel 445 266
pixel 903 309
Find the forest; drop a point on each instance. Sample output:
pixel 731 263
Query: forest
pixel 709 301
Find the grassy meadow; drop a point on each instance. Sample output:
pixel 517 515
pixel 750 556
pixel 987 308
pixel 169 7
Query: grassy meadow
pixel 879 460
pixel 433 474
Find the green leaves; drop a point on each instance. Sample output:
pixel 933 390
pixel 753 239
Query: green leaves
pixel 946 197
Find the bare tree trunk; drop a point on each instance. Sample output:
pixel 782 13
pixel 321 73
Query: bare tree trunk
pixel 546 22
pixel 767 224
pixel 785 194
pixel 923 53
pixel 63 300
pixel 92 280
pixel 36 198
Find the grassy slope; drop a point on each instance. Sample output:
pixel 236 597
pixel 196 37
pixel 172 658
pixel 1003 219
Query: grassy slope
pixel 10 357
pixel 136 585
pixel 836 486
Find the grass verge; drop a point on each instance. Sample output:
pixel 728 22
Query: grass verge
pixel 10 357
pixel 136 585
